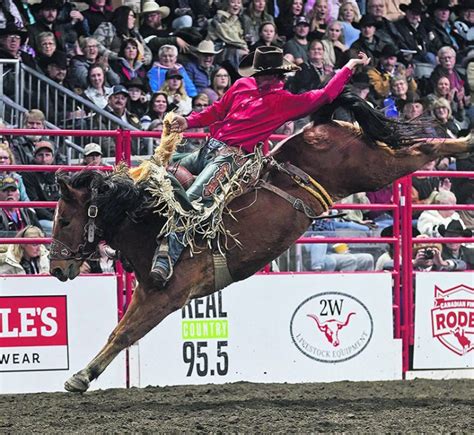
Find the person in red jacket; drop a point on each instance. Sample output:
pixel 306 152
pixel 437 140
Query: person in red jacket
pixel 241 119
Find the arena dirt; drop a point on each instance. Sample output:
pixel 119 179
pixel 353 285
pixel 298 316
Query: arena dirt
pixel 410 406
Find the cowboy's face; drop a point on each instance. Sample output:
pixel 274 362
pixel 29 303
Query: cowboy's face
pixel 376 8
pixel 442 15
pixel 414 18
pixel 11 43
pixel 389 61
pixel 206 60
pixel 49 15
pixel 153 19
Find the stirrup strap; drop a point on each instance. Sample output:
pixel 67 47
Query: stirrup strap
pixel 222 277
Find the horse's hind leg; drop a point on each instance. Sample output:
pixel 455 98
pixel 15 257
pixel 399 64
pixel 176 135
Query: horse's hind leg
pixel 144 313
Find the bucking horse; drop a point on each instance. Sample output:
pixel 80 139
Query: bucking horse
pixel 326 161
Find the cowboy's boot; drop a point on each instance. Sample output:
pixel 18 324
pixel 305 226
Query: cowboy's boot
pixel 166 255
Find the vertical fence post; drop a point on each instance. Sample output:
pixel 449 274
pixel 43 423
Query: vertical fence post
pixel 396 258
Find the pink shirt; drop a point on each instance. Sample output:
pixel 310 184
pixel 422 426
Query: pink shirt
pixel 247 115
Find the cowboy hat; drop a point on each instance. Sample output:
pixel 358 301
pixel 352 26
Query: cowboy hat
pixel 369 20
pixel 266 60
pixel 439 4
pixel 454 229
pixel 415 6
pixel 11 29
pixel 207 47
pixel 151 6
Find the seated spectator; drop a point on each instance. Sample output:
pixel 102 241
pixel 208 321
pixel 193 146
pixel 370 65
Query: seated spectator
pixel 439 26
pixel 46 48
pixel 381 76
pixel 312 73
pixel 252 19
pixel 319 18
pixel 200 70
pixel 382 218
pixel 26 258
pixel 7 158
pixel 447 62
pixel 385 12
pixel 267 36
pixel 158 107
pixel 111 35
pixel 167 59
pixel 340 259
pixel 286 19
pixel 354 220
pixel 399 89
pixel 117 105
pixel 13 219
pixel 97 12
pixel 105 263
pixel 23 147
pixel 92 155
pixel 80 65
pixel 336 53
pixel 129 64
pixel 430 220
pixel 349 17
pixel 97 92
pixel 297 48
pixel 443 89
pixel 137 91
pixel 463 26
pixel 42 186
pixel 412 107
pixel 173 87
pixel 442 112
pixel 225 29
pixel 368 41
pixel 220 81
pixel 450 256
pixel 152 19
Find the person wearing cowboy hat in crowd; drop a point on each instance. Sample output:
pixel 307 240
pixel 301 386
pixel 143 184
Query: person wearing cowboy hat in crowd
pixel 118 100
pixel 386 30
pixel 201 69
pixel 464 25
pixel 138 101
pixel 413 34
pixel 439 27
pixel 65 34
pixel 368 42
pixel 241 119
pixel 387 68
pixel 450 256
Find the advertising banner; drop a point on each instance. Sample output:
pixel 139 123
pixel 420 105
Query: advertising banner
pixel 444 320
pixel 279 328
pixel 50 330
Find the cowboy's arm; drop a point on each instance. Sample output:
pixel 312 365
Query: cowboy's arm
pixel 216 112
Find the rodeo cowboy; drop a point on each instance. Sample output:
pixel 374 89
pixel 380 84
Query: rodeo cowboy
pixel 248 113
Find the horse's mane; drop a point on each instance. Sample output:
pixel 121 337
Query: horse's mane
pixel 395 133
pixel 117 195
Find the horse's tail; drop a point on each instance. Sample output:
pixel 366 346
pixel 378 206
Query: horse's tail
pixel 373 122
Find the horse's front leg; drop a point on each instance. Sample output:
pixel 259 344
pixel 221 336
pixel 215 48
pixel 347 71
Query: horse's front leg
pixel 147 309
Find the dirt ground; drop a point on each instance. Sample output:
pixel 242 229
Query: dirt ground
pixel 415 406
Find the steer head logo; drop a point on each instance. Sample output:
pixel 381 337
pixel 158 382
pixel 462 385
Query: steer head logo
pixel 331 327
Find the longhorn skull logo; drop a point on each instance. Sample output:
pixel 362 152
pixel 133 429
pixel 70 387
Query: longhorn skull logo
pixel 331 327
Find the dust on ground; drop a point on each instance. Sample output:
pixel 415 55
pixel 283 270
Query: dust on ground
pixel 397 406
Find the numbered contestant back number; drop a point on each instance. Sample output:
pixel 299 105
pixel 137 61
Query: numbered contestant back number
pixel 203 360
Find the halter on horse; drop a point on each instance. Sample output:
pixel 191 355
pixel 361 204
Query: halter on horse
pixel 341 158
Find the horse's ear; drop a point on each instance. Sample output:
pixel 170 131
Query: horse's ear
pixel 66 192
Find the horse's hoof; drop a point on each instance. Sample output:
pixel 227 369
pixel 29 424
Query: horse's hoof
pixel 77 384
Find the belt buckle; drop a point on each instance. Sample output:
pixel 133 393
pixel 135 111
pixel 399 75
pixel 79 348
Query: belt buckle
pixel 214 144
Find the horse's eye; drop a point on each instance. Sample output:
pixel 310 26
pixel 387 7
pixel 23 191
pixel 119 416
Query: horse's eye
pixel 64 222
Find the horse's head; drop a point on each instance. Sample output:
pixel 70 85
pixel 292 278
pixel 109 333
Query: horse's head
pixel 75 235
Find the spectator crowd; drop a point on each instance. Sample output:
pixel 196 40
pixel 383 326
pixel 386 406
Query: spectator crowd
pixel 140 60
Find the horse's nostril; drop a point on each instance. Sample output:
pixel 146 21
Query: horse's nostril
pixel 58 273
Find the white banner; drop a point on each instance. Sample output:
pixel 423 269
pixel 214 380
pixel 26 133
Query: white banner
pixel 444 320
pixel 50 330
pixel 279 328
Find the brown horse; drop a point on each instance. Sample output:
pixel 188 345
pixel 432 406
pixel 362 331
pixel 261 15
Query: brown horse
pixel 340 157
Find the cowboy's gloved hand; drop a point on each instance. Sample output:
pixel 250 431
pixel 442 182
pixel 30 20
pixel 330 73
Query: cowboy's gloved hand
pixel 179 124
